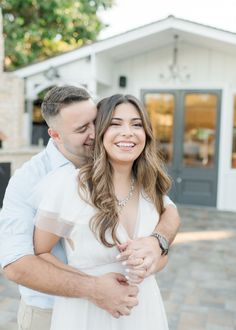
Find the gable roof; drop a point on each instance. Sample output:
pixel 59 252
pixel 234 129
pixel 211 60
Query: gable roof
pixel 137 40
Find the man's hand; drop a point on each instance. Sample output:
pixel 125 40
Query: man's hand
pixel 142 257
pixel 114 294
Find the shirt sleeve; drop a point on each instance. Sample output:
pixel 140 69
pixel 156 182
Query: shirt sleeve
pixel 53 199
pixel 167 201
pixel 16 220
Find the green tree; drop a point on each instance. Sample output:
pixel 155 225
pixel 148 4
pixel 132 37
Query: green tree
pixel 37 29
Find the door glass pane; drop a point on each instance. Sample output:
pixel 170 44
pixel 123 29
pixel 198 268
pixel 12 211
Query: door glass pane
pixel 160 107
pixel 199 130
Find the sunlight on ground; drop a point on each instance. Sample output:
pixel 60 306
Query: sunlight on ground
pixel 203 236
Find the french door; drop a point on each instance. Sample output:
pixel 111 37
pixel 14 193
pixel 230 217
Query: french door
pixel 186 126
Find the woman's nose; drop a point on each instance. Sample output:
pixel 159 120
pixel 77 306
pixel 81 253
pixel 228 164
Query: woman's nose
pixel 127 130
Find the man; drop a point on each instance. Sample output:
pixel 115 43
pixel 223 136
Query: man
pixel 70 114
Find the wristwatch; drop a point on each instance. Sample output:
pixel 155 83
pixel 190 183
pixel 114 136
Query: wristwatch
pixel 164 245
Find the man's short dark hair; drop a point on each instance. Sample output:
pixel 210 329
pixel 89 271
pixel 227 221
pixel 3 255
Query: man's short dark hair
pixel 59 97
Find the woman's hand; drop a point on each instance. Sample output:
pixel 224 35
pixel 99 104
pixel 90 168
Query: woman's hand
pixel 141 257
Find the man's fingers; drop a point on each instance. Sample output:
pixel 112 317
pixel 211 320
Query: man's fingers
pixel 135 280
pixel 125 311
pixel 131 302
pixel 133 290
pixel 134 273
pixel 120 278
pixel 116 314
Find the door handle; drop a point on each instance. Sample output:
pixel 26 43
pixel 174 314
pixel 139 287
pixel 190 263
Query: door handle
pixel 178 180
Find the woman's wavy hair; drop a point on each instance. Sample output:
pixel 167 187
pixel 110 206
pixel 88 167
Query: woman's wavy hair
pixel 95 179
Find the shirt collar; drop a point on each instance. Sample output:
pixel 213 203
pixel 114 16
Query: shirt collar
pixel 55 156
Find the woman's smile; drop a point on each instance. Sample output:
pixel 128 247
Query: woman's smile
pixel 125 138
pixel 126 146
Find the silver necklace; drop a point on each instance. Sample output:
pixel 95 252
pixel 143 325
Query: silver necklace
pixel 122 202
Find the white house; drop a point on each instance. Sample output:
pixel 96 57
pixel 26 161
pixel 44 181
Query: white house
pixel 185 73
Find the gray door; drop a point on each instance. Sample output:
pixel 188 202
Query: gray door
pixel 186 125
pixel 5 172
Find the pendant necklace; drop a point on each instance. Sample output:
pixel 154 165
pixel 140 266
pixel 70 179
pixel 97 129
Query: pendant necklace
pixel 122 202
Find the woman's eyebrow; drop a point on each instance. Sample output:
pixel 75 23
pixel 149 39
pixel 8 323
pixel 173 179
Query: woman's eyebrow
pixel 115 118
pixel 138 118
pixel 132 119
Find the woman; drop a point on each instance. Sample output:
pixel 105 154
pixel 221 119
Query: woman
pixel 118 196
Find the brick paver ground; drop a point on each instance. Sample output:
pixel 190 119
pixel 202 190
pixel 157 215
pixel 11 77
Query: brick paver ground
pixel 199 283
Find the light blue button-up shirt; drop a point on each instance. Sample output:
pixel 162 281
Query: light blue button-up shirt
pixel 17 215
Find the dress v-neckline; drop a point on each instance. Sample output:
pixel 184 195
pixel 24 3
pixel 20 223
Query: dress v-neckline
pixel 137 223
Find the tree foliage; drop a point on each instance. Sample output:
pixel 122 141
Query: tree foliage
pixel 36 29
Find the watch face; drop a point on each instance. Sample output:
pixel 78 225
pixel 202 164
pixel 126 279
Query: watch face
pixel 164 243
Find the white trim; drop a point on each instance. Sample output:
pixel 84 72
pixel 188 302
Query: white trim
pixel 54 62
pixel 124 38
pixel 181 86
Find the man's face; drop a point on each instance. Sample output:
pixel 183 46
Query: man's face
pixel 73 130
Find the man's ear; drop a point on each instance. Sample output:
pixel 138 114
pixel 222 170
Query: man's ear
pixel 54 135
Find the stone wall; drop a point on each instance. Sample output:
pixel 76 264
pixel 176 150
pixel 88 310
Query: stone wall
pixel 14 150
pixel 18 156
pixel 11 110
pixel 11 104
pixel 1 45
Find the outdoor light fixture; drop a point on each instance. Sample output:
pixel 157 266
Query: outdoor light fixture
pixel 175 72
pixel 52 73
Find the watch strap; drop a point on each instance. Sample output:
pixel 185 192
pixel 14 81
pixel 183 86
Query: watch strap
pixel 163 243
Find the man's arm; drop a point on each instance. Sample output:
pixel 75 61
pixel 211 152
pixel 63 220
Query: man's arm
pixel 107 291
pixel 38 274
pixel 145 253
pixel 169 223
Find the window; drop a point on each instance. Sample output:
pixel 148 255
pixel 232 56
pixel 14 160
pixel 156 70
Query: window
pixel 200 129
pixel 234 136
pixel 160 107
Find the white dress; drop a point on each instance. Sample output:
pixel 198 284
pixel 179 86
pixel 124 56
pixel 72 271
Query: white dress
pixel 61 211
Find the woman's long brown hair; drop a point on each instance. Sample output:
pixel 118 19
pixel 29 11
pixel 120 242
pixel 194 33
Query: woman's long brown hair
pixel 95 179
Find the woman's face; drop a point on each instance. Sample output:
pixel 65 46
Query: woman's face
pixel 125 138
